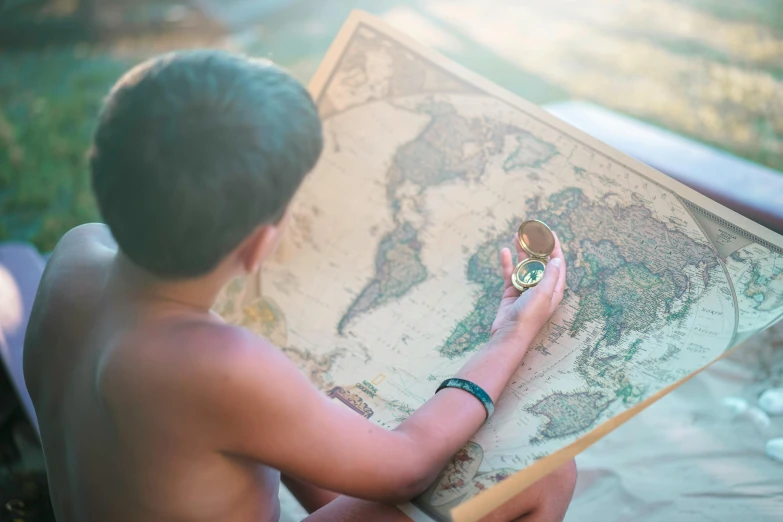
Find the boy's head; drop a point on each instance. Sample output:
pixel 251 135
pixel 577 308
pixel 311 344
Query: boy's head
pixel 194 152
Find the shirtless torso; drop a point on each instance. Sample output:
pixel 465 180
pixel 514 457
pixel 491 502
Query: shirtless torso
pixel 119 445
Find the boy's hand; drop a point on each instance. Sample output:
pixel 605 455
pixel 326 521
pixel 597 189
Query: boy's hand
pixel 530 310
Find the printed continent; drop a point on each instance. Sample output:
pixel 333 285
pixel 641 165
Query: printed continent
pixel 765 291
pixel 398 269
pixel 472 332
pixel 316 367
pixel 376 68
pixel 568 413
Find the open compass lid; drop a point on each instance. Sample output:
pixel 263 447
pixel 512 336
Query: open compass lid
pixel 536 238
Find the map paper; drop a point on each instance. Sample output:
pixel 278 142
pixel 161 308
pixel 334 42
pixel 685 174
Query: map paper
pixel 390 277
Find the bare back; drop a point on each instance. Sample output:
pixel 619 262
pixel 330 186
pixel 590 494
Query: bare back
pixel 120 442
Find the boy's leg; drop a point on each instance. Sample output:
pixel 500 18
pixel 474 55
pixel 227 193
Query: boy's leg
pixel 312 498
pixel 327 506
pixel 347 509
pixel 545 501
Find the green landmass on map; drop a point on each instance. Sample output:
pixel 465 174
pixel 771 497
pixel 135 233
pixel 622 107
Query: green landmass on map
pixel 568 413
pixel 766 292
pixel 398 269
pixel 317 367
pixel 530 152
pixel 441 152
pixel 472 331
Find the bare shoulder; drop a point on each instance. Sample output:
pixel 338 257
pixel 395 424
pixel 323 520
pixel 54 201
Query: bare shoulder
pixel 73 276
pixel 96 232
pixel 209 347
pixel 83 242
pixel 191 373
pixel 79 258
pixel 223 362
pixel 67 297
pixel 240 390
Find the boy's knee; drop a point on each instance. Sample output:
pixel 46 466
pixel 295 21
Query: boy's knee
pixel 567 476
pixel 557 493
pixel 545 501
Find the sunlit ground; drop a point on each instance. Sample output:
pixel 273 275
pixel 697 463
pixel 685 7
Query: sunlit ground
pixel 709 69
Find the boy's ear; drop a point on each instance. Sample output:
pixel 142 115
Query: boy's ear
pixel 258 246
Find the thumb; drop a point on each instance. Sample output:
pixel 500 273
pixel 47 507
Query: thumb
pixel 551 275
pixel 540 295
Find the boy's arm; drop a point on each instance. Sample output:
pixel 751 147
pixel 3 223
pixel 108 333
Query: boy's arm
pixel 268 411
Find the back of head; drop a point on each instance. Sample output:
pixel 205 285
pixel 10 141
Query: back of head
pixel 194 151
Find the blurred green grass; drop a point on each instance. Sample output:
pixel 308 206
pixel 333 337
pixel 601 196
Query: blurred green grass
pixel 49 101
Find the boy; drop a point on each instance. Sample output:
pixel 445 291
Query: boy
pixel 151 408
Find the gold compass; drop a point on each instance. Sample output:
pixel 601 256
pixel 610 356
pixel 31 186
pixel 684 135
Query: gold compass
pixel 535 238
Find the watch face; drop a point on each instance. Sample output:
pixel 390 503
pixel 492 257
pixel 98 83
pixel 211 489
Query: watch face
pixel 536 238
pixel 528 273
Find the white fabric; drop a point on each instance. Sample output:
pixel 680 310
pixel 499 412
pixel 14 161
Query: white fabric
pixel 687 457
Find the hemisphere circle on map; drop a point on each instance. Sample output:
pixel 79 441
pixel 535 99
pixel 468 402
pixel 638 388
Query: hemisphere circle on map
pixel 758 276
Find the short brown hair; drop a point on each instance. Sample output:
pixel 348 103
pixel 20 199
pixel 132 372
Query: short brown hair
pixel 194 150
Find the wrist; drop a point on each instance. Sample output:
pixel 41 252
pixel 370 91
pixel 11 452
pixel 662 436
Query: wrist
pixel 472 388
pixel 513 339
pixel 493 365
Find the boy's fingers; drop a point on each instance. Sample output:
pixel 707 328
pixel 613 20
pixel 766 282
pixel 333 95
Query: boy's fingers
pixel 557 253
pixel 557 295
pixel 506 265
pixel 549 281
pixel 507 268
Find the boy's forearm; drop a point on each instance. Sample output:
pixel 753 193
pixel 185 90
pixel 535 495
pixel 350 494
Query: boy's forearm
pixel 493 365
pixel 446 422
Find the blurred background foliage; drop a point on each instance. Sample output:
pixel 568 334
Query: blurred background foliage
pixel 708 69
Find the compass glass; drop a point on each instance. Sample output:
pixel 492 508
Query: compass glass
pixel 528 273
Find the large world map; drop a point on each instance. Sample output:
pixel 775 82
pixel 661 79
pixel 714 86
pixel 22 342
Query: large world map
pixel 390 277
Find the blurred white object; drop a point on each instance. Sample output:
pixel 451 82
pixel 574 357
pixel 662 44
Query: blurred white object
pixel 290 508
pixel 771 401
pixel 737 405
pixel 740 408
pixel 775 449
pixel 758 418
